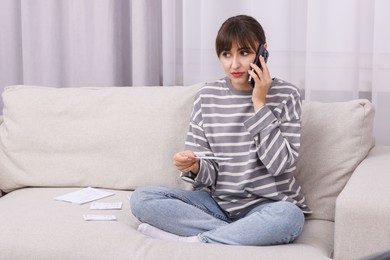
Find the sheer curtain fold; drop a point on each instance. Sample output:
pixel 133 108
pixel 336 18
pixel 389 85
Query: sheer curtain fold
pixel 333 50
pixel 172 42
pixel 381 71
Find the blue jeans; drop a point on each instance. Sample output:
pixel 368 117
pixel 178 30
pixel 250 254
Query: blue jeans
pixel 190 213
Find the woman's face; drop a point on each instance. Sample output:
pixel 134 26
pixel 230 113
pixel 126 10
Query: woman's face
pixel 236 65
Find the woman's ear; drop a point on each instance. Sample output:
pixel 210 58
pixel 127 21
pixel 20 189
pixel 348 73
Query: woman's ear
pixel 265 45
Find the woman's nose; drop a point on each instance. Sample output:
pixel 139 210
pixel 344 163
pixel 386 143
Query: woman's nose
pixel 236 62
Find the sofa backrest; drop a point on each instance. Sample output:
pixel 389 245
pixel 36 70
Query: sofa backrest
pixel 108 137
pixel 125 137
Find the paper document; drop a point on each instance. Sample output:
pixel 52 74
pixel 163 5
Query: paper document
pixel 99 217
pixel 106 205
pixel 213 158
pixel 83 196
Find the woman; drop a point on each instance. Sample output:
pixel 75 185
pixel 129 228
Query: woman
pixel 245 192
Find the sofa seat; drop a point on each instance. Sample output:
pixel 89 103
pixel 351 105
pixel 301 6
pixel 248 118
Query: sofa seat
pixel 43 228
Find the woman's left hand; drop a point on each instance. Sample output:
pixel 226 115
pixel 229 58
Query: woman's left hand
pixel 263 82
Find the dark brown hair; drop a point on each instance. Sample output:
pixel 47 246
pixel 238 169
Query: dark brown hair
pixel 242 29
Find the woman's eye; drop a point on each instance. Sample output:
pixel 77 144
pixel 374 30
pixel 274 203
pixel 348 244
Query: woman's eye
pixel 244 53
pixel 226 54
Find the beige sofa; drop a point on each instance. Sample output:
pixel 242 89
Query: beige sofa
pixel 57 140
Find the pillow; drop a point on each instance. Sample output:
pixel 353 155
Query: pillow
pixel 335 138
pixel 108 137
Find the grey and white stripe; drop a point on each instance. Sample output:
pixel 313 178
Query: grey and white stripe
pixel 264 145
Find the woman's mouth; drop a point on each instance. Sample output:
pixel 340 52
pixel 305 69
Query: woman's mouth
pixel 237 74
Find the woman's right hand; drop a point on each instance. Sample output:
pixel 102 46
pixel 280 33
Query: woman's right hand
pixel 263 82
pixel 185 161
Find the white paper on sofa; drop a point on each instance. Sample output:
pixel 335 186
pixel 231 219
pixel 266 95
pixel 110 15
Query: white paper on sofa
pixel 106 205
pixel 83 196
pixel 99 217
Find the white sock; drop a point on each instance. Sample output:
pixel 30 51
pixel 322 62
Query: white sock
pixel 154 232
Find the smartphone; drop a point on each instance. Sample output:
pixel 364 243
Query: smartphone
pixel 263 52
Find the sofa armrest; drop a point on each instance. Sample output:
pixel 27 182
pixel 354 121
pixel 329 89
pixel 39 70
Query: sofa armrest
pixel 1 121
pixel 362 221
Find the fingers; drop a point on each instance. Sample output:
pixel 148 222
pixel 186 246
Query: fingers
pixel 184 157
pixel 260 75
pixel 263 82
pixel 184 161
pixel 188 169
pixel 263 65
pixel 257 71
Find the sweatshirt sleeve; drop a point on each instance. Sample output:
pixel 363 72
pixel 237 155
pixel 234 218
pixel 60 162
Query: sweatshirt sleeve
pixel 197 142
pixel 277 134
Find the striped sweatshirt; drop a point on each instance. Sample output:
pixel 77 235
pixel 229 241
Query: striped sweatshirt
pixel 263 146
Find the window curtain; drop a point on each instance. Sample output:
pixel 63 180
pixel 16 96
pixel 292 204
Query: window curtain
pixel 333 50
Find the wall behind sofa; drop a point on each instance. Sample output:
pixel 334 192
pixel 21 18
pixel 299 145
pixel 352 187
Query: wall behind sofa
pixel 333 50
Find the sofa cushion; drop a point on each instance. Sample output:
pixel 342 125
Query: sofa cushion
pixel 110 137
pixel 35 226
pixel 335 138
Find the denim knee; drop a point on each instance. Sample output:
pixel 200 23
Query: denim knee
pixel 291 219
pixel 135 201
pixel 139 199
pixel 285 221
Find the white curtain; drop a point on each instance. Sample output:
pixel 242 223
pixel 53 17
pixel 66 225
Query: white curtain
pixel 334 50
